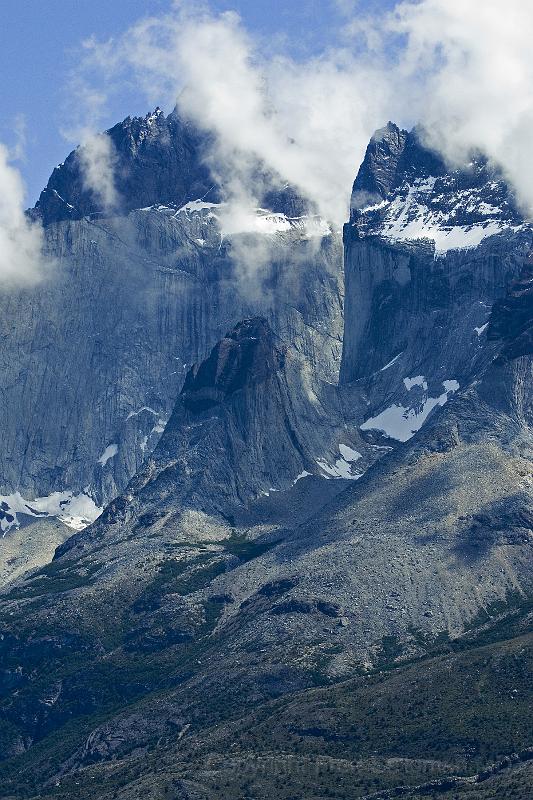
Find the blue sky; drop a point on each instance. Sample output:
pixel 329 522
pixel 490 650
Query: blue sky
pixel 39 47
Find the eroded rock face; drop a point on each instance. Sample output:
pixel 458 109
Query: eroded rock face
pixel 156 159
pixel 94 358
pixel 428 251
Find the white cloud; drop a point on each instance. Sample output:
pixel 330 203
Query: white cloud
pixel 96 153
pixel 470 69
pixel 21 258
pixel 306 121
pixel 462 69
pixel 97 157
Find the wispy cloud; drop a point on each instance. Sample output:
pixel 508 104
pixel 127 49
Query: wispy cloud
pixel 464 72
pixel 306 122
pixel 97 159
pixel 96 154
pixel 21 242
pixel 469 71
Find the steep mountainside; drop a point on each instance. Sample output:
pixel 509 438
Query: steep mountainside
pixel 181 593
pixel 427 253
pixel 93 358
pixel 237 624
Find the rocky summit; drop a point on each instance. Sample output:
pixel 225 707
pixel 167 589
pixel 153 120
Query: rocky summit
pixel 267 495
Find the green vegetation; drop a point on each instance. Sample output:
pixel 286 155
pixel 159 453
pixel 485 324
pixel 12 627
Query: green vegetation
pixel 55 578
pixel 247 549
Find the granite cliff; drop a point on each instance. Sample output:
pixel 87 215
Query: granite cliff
pixel 315 580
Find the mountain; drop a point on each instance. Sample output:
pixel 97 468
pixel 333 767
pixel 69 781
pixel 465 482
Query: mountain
pixel 428 251
pixel 317 583
pixel 157 159
pixel 94 357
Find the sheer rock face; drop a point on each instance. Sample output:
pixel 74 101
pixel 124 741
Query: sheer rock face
pixel 428 251
pixel 512 316
pixel 94 357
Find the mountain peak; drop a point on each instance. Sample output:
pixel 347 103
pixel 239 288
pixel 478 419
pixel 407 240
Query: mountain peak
pixel 392 156
pixel 406 192
pixel 156 159
pixel 245 356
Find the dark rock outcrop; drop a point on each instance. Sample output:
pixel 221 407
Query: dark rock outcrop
pixel 245 356
pixel 512 316
pixel 155 160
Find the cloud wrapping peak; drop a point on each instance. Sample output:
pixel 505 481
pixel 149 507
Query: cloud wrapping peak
pixel 307 122
pixel 463 72
pixel 467 69
pixel 97 157
pixel 21 258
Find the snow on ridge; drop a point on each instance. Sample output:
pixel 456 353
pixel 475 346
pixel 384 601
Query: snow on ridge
pixel 198 205
pixel 414 215
pixel 74 510
pixel 259 220
pixel 401 422
pixel 445 239
pixel 269 223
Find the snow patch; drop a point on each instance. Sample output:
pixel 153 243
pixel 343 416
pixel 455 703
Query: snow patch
pixel 401 423
pixel 110 452
pixel 418 381
pixel 267 223
pixel 394 360
pixel 74 510
pixel 412 216
pixel 198 205
pixel 302 475
pixel 343 465
pixel 348 454
pixel 451 386
pixel 140 411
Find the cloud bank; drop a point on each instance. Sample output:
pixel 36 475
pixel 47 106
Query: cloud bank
pixel 464 72
pixel 21 256
pixel 467 70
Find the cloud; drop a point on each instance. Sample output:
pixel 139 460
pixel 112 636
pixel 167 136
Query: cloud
pixel 97 158
pixel 468 69
pixel 21 242
pixel 96 153
pixel 306 122
pixel 464 72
